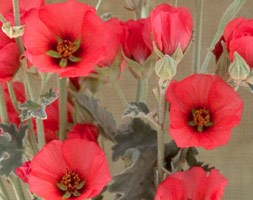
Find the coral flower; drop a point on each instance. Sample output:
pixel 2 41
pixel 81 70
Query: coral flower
pixel 23 171
pixel 137 43
pixel 203 109
pixel 69 42
pixel 171 27
pixel 75 169
pixel 193 184
pixel 85 131
pixel 238 37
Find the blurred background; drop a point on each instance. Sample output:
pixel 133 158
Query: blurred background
pixel 234 160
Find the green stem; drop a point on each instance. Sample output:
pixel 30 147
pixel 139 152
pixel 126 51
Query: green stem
pixel 13 96
pixel 160 135
pixel 2 19
pixel 31 138
pixel 175 4
pixel 229 14
pixel 142 91
pixel 39 123
pixel 40 132
pixel 3 109
pixel 198 33
pixel 120 93
pixel 4 191
pixel 63 108
pixel 98 4
pixel 17 187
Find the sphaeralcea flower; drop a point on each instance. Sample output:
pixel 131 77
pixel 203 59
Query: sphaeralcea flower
pixel 203 109
pixel 193 184
pixel 65 38
pixel 171 27
pixel 238 37
pixel 9 53
pixel 75 169
pixel 137 43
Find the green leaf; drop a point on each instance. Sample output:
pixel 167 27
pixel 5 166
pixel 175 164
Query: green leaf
pixel 137 144
pixel 63 62
pixel 12 142
pixel 137 135
pixel 101 116
pixel 48 97
pixel 135 108
pixel 192 160
pixel 32 109
pixel 74 58
pixel 54 54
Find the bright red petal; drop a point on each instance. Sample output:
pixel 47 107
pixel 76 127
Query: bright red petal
pixel 90 161
pixel 9 61
pixel 67 21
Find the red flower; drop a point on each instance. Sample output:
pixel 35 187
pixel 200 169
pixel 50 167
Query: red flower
pixel 24 6
pixel 238 36
pixel 23 171
pixel 171 27
pixel 193 184
pixel 9 53
pixel 9 57
pixel 203 109
pixel 84 131
pixel 115 31
pixel 137 43
pixel 69 43
pixel 73 169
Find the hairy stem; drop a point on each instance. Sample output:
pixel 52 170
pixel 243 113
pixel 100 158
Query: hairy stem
pixel 17 188
pixel 198 33
pixel 3 109
pixel 142 91
pixel 120 93
pixel 4 191
pixel 63 108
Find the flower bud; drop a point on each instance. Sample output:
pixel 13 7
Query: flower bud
pixel 166 68
pixel 239 70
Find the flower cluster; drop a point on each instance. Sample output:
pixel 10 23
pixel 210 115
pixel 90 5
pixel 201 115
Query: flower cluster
pixel 70 44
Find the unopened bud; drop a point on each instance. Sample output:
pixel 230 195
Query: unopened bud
pixel 239 69
pixel 166 68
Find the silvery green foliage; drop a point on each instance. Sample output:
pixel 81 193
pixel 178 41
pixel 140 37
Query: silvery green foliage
pixel 11 147
pixel 136 143
pixel 135 109
pixel 48 97
pixel 101 116
pixel 31 109
pixel 192 159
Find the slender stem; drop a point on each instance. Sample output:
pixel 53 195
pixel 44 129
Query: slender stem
pixel 2 19
pixel 98 4
pixel 40 132
pixel 39 123
pixel 120 93
pixel 13 96
pixel 142 91
pixel 4 190
pixel 182 159
pixel 31 138
pixel 175 4
pixel 160 135
pixel 198 33
pixel 63 108
pixel 3 109
pixel 229 14
pixel 17 188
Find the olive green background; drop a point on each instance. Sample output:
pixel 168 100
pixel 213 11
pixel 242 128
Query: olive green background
pixel 235 160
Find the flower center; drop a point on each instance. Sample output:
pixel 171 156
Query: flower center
pixel 64 51
pixel 200 118
pixel 65 48
pixel 70 184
